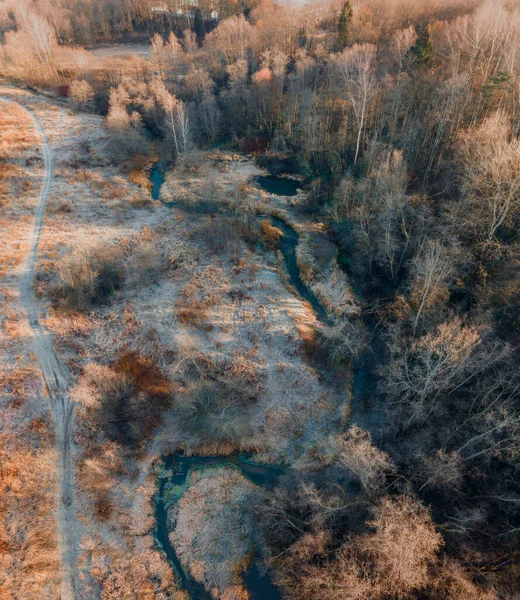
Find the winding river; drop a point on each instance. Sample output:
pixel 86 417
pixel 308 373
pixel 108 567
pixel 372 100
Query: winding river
pixel 366 367
pixel 259 585
pixel 288 244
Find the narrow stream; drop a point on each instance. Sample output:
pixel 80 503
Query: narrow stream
pixel 156 179
pixel 288 244
pixel 258 584
pixel 365 370
pixel 366 375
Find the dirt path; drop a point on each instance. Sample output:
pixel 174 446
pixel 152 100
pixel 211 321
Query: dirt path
pixel 57 380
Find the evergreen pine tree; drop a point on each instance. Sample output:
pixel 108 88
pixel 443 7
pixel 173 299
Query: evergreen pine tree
pixel 422 55
pixel 198 26
pixel 344 22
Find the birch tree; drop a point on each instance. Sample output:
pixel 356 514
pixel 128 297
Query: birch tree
pixel 169 102
pixel 432 271
pixel 41 36
pixel 360 83
pixel 184 133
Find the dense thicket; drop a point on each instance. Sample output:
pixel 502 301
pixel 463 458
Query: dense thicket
pixel 404 118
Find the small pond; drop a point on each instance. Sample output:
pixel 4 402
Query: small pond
pixel 278 186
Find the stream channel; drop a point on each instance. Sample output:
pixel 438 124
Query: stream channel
pixel 258 584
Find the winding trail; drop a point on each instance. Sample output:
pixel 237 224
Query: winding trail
pixel 57 379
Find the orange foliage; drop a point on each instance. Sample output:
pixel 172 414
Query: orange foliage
pixel 144 374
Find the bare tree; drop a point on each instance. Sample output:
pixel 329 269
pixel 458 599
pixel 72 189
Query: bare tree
pixel 124 123
pixel 403 545
pixel 182 124
pixel 81 93
pixel 422 369
pixel 432 271
pixel 189 41
pixel 231 38
pixel 343 342
pixel 400 43
pixel 491 180
pixel 157 53
pixel 359 456
pixel 356 67
pixel 41 35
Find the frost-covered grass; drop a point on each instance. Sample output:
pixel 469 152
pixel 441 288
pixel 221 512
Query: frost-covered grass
pixel 316 256
pixel 92 205
pixel 213 529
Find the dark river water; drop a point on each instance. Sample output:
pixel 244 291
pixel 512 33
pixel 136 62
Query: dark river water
pixel 156 179
pixel 278 186
pixel 366 377
pixel 288 244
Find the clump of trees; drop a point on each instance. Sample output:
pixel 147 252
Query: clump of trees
pixel 341 535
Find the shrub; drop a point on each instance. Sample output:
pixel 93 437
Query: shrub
pixel 103 507
pixel 145 263
pixel 136 409
pixel 125 400
pixel 87 275
pixel 64 91
pixel 271 234
pixel 81 93
pixel 214 412
pixel 342 343
pixel 139 177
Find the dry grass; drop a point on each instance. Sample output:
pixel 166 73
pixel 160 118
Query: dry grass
pixel 217 308
pixel 29 567
pixel 317 261
pixel 91 203
pixel 16 132
pixel 271 234
pixel 29 564
pixel 204 290
pixel 213 533
pixel 12 248
pixel 18 141
pixel 140 178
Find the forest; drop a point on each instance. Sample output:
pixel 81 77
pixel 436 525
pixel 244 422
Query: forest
pixel 400 122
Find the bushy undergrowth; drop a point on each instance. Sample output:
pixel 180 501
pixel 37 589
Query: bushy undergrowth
pixel 88 276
